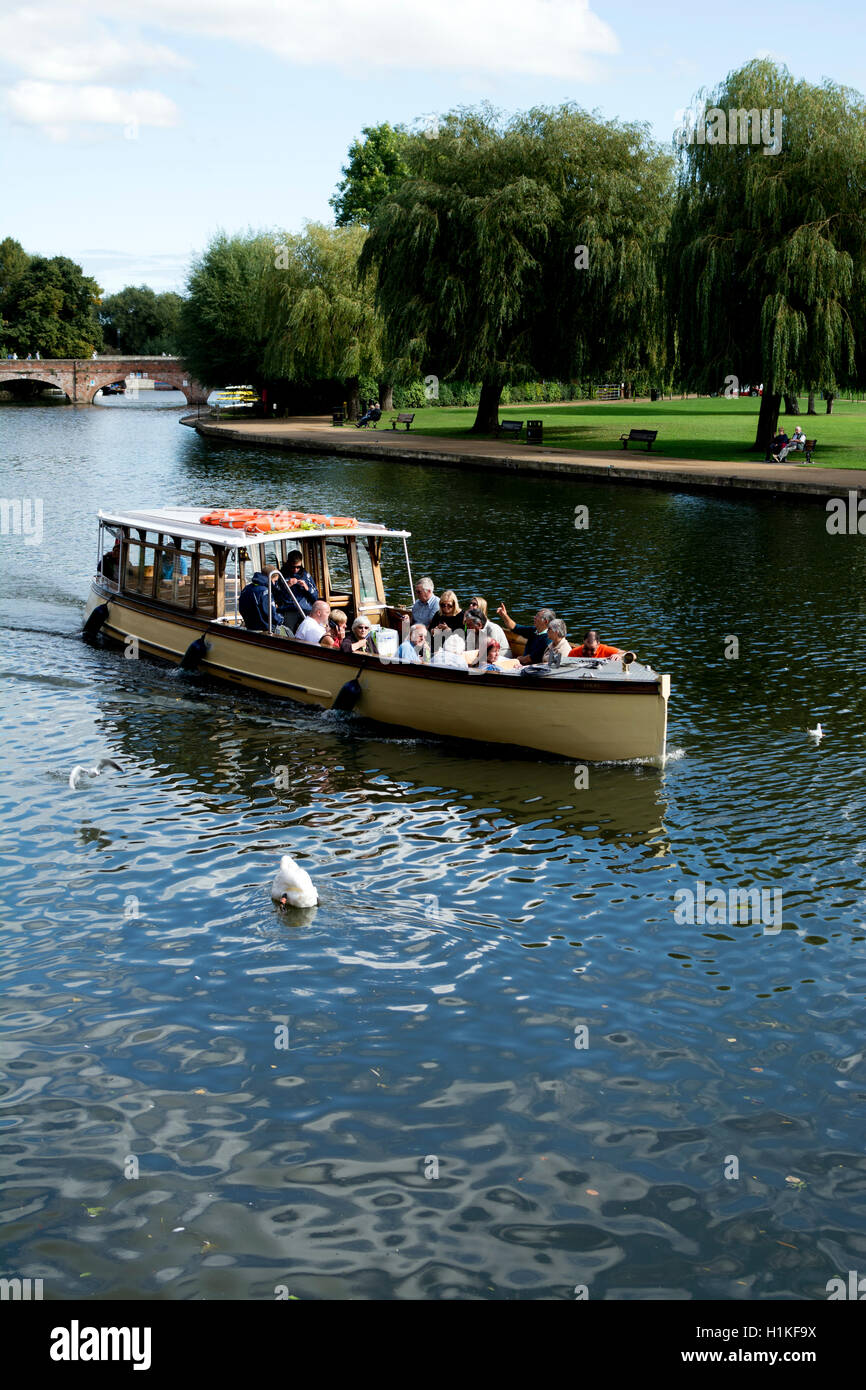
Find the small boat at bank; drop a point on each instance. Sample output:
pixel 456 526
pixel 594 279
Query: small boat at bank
pixel 169 580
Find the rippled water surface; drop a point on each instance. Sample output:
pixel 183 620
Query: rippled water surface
pixel 477 912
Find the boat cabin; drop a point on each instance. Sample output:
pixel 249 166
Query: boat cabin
pixel 173 559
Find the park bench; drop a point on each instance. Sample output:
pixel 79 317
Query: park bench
pixel 512 427
pixel 404 419
pixel 646 437
pixel 338 415
pixel 809 447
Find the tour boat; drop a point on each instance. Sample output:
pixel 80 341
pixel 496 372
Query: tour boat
pixel 168 581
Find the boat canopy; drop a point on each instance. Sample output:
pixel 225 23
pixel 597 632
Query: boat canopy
pixel 188 522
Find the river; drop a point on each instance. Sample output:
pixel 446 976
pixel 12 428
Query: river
pixel 494 1064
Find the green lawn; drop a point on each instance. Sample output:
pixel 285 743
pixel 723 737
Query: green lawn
pixel 717 429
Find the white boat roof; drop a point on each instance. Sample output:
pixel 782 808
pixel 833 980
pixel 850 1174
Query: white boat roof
pixel 186 522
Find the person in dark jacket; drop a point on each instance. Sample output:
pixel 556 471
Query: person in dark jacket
pixel 257 605
pixel 537 639
pixel 299 581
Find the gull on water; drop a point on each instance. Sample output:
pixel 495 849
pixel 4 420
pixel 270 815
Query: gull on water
pixel 817 733
pixel 80 771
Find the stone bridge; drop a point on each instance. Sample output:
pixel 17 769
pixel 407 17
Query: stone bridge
pixel 82 377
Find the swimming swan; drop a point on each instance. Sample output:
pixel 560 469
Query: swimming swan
pixel 292 885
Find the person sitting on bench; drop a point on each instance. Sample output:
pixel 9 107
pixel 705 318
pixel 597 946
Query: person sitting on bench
pixel 798 441
pixel 373 413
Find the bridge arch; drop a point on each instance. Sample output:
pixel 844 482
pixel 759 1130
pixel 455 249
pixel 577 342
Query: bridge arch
pixel 26 385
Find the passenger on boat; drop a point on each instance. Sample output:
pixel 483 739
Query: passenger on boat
pixel 450 654
pixel 492 629
pixel 426 604
pixel 592 647
pixel 415 649
pixel 475 635
pixel 449 618
pixel 536 636
pixel 559 644
pixel 496 661
pixel 361 641
pixel 299 581
pixel 336 630
pixel 168 563
pixel 109 565
pixel 315 626
pixel 256 606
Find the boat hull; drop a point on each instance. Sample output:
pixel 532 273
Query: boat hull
pixel 585 720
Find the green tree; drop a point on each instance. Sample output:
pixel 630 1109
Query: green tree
pixel 321 313
pixel 522 248
pixel 14 260
pixel 376 165
pixel 138 321
pixel 221 333
pixel 767 251
pixel 51 308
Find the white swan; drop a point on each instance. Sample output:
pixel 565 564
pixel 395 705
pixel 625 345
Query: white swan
pixel 292 885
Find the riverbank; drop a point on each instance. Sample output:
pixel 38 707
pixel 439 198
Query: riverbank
pixel 316 434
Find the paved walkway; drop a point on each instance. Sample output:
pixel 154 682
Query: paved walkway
pixel 316 434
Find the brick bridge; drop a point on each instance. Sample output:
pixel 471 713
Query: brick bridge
pixel 82 377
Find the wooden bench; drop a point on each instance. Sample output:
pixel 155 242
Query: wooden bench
pixel 513 427
pixel 809 447
pixel 646 437
pixel 402 420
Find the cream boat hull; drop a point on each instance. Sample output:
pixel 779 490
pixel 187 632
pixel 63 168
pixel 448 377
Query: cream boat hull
pixel 591 720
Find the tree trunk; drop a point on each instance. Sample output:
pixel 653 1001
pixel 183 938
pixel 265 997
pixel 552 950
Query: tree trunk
pixel 810 408
pixel 792 405
pixel 830 398
pixel 768 419
pixel 353 399
pixel 487 419
pixel 386 395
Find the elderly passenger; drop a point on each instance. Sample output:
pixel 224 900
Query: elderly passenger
pixel 496 661
pixel 415 649
pixel 559 644
pixel 315 626
pixel 426 604
pixel 450 654
pixel 361 641
pixel 536 636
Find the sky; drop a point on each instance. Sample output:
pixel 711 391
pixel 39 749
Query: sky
pixel 131 133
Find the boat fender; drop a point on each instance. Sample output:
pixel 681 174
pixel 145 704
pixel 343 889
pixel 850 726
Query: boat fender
pixel 194 655
pixel 348 696
pixel 95 622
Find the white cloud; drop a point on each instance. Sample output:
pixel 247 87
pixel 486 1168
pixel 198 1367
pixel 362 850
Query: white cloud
pixel 52 43
pixel 57 106
pixel 554 38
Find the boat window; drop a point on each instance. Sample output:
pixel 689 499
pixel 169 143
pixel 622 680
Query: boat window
pixel 272 554
pixel 174 577
pixel 138 574
pixel 366 574
pixel 206 588
pixel 339 574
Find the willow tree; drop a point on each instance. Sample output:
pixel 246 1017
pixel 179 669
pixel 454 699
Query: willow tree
pixel 519 247
pixel 767 251
pixel 219 334
pixel 320 314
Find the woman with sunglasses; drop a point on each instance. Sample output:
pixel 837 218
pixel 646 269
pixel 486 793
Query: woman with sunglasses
pixel 449 618
pixel 361 640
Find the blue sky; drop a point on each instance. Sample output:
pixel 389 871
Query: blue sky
pixel 132 132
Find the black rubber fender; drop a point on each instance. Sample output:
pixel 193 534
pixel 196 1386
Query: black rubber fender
pixel 194 655
pixel 95 622
pixel 348 696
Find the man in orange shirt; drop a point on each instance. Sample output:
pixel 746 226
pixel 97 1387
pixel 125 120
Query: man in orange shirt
pixel 592 647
